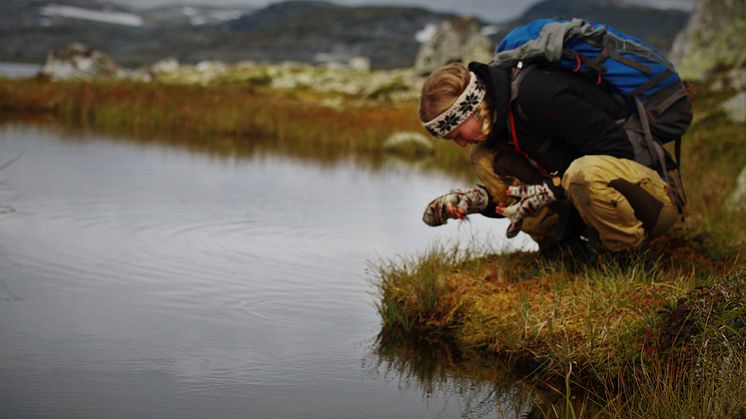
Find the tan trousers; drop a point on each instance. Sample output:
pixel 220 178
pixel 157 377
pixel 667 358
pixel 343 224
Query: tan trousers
pixel 587 184
pixel 603 207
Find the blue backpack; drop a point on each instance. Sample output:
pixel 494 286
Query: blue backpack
pixel 619 62
pixel 625 63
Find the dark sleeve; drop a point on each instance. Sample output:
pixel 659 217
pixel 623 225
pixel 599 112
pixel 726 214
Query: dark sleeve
pixel 561 108
pixel 491 211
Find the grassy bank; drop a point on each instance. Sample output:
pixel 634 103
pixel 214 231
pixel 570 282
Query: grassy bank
pixel 224 119
pixel 611 329
pixel 628 341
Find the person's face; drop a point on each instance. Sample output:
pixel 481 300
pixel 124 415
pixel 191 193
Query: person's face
pixel 469 132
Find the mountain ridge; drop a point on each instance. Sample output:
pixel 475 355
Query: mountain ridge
pixel 296 30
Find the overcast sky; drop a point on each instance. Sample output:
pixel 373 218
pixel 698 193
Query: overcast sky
pixel 490 10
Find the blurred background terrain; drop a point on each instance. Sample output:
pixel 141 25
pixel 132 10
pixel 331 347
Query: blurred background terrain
pixel 301 31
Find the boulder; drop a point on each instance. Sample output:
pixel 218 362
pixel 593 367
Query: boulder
pixel 165 66
pixel 409 144
pixel 737 199
pixel 733 79
pixel 735 108
pixel 714 37
pixel 78 61
pixel 458 39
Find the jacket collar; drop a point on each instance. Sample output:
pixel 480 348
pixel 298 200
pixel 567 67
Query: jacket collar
pixel 497 82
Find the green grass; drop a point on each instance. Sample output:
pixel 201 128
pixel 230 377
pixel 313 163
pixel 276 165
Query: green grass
pixel 626 338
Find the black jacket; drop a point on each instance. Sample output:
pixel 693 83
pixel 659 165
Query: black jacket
pixel 559 116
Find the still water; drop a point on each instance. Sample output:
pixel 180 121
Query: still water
pixel 147 281
pixel 18 70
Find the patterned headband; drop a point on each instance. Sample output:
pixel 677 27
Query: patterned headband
pixel 462 108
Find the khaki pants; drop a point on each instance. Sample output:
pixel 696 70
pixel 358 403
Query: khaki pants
pixel 595 186
pixel 588 185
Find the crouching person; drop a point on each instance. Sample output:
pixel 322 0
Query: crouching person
pixel 555 157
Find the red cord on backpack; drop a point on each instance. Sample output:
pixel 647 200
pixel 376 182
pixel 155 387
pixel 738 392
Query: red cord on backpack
pixel 514 138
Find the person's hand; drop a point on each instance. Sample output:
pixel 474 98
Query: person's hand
pixel 530 200
pixel 455 204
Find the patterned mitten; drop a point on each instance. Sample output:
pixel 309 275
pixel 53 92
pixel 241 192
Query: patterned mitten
pixel 455 204
pixel 531 199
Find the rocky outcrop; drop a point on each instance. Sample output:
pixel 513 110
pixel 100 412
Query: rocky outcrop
pixel 333 79
pixel 78 61
pixel 715 37
pixel 458 39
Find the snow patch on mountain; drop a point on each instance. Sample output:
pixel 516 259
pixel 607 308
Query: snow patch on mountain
pixel 117 18
pixel 198 17
pixel 426 33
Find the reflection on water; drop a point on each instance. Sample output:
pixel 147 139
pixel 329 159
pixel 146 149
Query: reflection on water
pixel 480 387
pixel 140 280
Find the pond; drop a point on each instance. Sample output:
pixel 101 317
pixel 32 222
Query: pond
pixel 17 70
pixel 141 280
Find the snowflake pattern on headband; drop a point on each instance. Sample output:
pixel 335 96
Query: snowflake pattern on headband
pixel 460 110
pixel 470 102
pixel 448 123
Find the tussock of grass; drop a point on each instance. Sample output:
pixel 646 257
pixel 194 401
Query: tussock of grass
pixel 417 299
pixel 701 368
pixel 518 306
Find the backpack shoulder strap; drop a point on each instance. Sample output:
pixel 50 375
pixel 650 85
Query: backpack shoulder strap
pixel 517 74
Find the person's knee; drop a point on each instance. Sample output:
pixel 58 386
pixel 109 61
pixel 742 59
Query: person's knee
pixel 586 170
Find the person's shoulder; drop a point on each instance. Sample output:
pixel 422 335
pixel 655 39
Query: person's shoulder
pixel 535 87
pixel 537 77
pixel 541 84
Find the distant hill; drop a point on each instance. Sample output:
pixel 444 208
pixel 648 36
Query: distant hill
pixel 309 31
pixel 318 31
pixel 306 31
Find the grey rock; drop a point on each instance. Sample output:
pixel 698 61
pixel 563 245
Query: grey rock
pixel 78 61
pixel 715 37
pixel 737 199
pixel 733 79
pixel 409 143
pixel 164 66
pixel 458 39
pixel 735 107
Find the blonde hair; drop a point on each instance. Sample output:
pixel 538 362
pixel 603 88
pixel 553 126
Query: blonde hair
pixel 443 87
